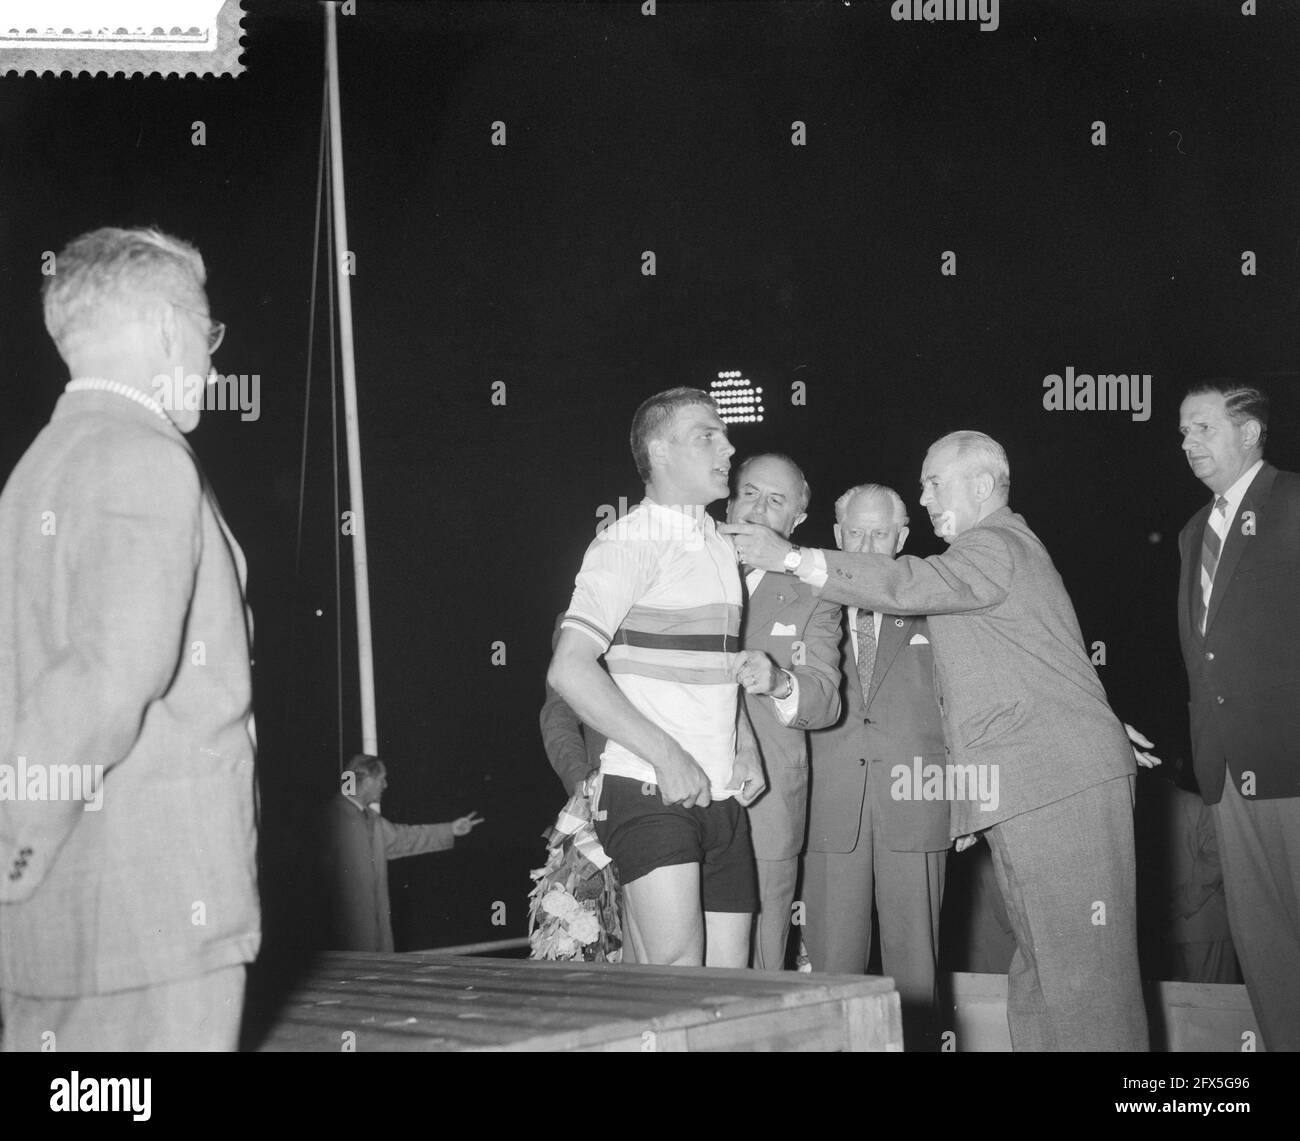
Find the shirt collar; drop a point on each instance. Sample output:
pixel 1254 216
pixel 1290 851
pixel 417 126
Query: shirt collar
pixel 1237 492
pixel 704 523
pixel 352 800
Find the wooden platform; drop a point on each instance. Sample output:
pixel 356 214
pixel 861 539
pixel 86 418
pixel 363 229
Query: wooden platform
pixel 430 1001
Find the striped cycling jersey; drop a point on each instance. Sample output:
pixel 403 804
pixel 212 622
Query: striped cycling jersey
pixel 660 593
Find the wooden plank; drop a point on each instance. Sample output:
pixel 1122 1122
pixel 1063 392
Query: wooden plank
pixel 657 989
pixel 359 964
pixel 431 1001
pixel 529 1011
pixel 872 1022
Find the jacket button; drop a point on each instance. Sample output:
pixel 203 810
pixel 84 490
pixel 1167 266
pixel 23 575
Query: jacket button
pixel 1219 700
pixel 1209 656
pixel 862 761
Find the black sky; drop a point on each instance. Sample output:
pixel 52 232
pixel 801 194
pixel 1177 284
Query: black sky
pixel 819 263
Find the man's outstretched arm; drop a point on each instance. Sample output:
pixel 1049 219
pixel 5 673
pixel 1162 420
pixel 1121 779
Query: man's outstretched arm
pixel 971 576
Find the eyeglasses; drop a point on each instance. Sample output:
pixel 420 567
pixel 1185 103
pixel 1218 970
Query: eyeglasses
pixel 216 329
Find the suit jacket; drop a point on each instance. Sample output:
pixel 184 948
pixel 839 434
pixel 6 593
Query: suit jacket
pixel 360 842
pixel 1019 698
pixel 899 722
pixel 124 643
pixel 781 614
pixel 572 748
pixel 1244 673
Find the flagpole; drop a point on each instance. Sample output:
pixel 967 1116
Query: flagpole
pixel 360 564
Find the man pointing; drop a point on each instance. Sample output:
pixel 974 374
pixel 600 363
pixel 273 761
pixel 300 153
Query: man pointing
pixel 1019 697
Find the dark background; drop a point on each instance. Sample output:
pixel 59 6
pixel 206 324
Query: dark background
pixel 522 264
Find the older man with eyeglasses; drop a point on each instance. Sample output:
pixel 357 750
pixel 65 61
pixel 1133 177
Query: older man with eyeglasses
pixel 128 889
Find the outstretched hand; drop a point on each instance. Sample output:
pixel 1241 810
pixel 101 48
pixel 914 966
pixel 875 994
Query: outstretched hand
pixel 757 546
pixel 464 825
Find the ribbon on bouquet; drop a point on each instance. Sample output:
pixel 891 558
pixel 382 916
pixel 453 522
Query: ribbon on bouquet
pixel 575 822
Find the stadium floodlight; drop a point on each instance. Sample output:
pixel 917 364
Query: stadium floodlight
pixel 738 399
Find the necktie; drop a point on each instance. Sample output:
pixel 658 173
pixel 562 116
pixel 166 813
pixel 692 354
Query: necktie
pixel 1211 546
pixel 866 651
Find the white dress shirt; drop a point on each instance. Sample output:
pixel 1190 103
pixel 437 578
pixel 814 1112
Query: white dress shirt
pixel 1234 495
pixel 787 706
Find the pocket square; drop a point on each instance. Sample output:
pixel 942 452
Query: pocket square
pixel 919 640
pixel 780 631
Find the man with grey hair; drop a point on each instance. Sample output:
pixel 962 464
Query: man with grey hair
pixel 870 832
pixel 1023 711
pixel 124 649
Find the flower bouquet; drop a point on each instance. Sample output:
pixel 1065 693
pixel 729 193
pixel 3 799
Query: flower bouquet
pixel 573 907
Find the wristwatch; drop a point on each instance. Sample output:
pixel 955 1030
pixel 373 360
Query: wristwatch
pixel 789 686
pixel 792 559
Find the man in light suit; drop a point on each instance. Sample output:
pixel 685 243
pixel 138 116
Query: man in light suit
pixel 1239 622
pixel 1036 759
pixel 861 836
pixel 791 678
pixel 124 655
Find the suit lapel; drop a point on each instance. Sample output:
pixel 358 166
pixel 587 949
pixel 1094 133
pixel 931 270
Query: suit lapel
pixel 1234 543
pixel 851 682
pixel 1192 570
pixel 893 637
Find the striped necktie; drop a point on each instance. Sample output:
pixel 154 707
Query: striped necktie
pixel 866 651
pixel 1211 546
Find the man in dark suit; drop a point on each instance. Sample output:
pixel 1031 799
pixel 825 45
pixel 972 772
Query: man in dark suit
pixel 789 670
pixel 359 844
pixel 1036 759
pixel 1239 622
pixel 572 748
pixel 859 834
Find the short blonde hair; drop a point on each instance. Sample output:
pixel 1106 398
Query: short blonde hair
pixel 112 267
